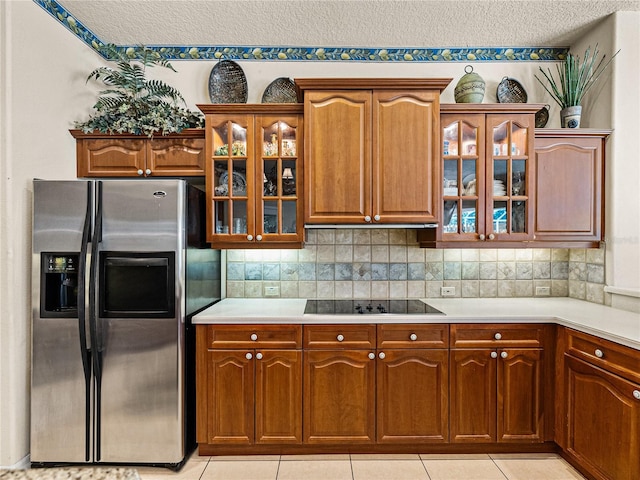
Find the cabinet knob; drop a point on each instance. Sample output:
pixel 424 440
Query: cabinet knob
pixel 481 237
pixel 372 356
pixel 147 172
pixel 381 355
pixel 599 353
pixel 491 236
pixel 254 337
pixel 413 337
pixel 497 336
pixel 248 356
pixel 367 219
pixel 259 238
pixel 494 354
pixel 504 354
pixel 636 394
pixel 249 237
pixel 140 172
pixel 340 338
pixel 376 218
pixel 259 356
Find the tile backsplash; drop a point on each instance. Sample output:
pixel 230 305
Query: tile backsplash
pixel 381 263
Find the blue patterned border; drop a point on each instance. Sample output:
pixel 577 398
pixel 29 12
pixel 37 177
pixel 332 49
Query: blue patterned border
pixel 330 54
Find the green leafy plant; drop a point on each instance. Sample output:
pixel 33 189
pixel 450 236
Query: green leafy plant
pixel 131 103
pixel 575 78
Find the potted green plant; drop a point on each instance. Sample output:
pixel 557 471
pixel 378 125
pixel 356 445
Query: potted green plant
pixel 131 103
pixel 575 80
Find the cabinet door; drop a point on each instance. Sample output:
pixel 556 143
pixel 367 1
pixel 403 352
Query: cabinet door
pixel 412 396
pixel 111 157
pixel 569 176
pixel 279 179
pixel 339 399
pixel 405 154
pixel 337 156
pixel 520 395
pixel 278 396
pixel 230 174
pixel 230 397
pixel 473 395
pixel 179 157
pixel 463 151
pixel 603 421
pixel 509 181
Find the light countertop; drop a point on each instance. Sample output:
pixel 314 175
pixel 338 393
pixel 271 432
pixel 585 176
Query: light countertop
pixel 609 323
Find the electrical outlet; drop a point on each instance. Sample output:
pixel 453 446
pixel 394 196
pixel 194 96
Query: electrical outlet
pixel 271 291
pixel 543 291
pixel 448 291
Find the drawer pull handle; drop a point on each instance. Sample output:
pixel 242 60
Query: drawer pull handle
pixel 340 338
pixel 504 354
pixel 259 356
pixel 599 353
pixel 254 337
pixel 381 355
pixel 494 354
pixel 248 356
pixel 413 337
pixel 497 336
pixel 372 356
pixel 636 394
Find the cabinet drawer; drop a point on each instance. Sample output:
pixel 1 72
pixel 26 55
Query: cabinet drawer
pixel 340 336
pixel 254 336
pixel 611 356
pixel 496 335
pixel 413 336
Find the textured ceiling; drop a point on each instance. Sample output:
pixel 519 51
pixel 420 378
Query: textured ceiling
pixel 363 23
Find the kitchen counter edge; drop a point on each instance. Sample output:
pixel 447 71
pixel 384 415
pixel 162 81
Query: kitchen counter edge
pixel 609 323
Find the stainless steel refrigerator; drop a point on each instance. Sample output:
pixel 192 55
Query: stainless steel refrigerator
pixel 119 268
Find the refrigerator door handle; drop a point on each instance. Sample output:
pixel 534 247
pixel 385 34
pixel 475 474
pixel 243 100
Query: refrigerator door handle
pixel 85 350
pixel 96 346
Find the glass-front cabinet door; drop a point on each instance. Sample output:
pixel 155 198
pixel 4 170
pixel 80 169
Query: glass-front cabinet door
pixel 463 185
pixel 508 178
pixel 254 175
pixel 231 177
pixel 487 175
pixel 280 171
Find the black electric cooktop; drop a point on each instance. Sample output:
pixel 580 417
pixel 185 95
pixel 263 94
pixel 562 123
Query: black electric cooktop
pixel 369 307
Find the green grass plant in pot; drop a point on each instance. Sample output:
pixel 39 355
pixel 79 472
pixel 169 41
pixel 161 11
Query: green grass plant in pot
pixel 131 103
pixel 574 80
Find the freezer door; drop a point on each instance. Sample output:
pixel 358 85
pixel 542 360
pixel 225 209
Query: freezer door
pixel 60 391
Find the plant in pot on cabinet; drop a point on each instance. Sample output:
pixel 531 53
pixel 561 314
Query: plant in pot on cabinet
pixel 131 103
pixel 574 80
pixel 139 127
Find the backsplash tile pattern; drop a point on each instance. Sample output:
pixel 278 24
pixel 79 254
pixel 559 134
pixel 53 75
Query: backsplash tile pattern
pixel 381 263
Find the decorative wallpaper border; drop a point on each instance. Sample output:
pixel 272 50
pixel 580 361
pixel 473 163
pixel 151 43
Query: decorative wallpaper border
pixel 331 54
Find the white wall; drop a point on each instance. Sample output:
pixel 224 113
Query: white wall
pixel 42 76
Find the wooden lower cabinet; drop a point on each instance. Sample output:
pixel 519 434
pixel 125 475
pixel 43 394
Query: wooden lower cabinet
pixel 598 405
pixel 253 397
pixel 339 398
pixel 496 395
pixel 412 396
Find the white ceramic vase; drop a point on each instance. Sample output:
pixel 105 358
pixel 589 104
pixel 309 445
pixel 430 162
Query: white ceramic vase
pixel 570 117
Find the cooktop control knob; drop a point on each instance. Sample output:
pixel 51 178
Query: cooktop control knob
pixel 381 308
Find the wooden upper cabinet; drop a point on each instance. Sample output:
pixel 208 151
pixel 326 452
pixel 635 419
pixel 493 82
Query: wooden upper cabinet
pixel 569 170
pixel 126 155
pixel 486 160
pixel 370 150
pixel 254 175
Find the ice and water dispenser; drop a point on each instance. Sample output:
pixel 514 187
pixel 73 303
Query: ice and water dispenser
pixel 59 277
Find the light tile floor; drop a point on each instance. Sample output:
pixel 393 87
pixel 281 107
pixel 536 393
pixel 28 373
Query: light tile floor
pixel 537 466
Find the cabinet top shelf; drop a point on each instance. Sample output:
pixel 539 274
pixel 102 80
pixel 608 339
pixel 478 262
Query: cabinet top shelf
pixel 491 107
pixel 371 83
